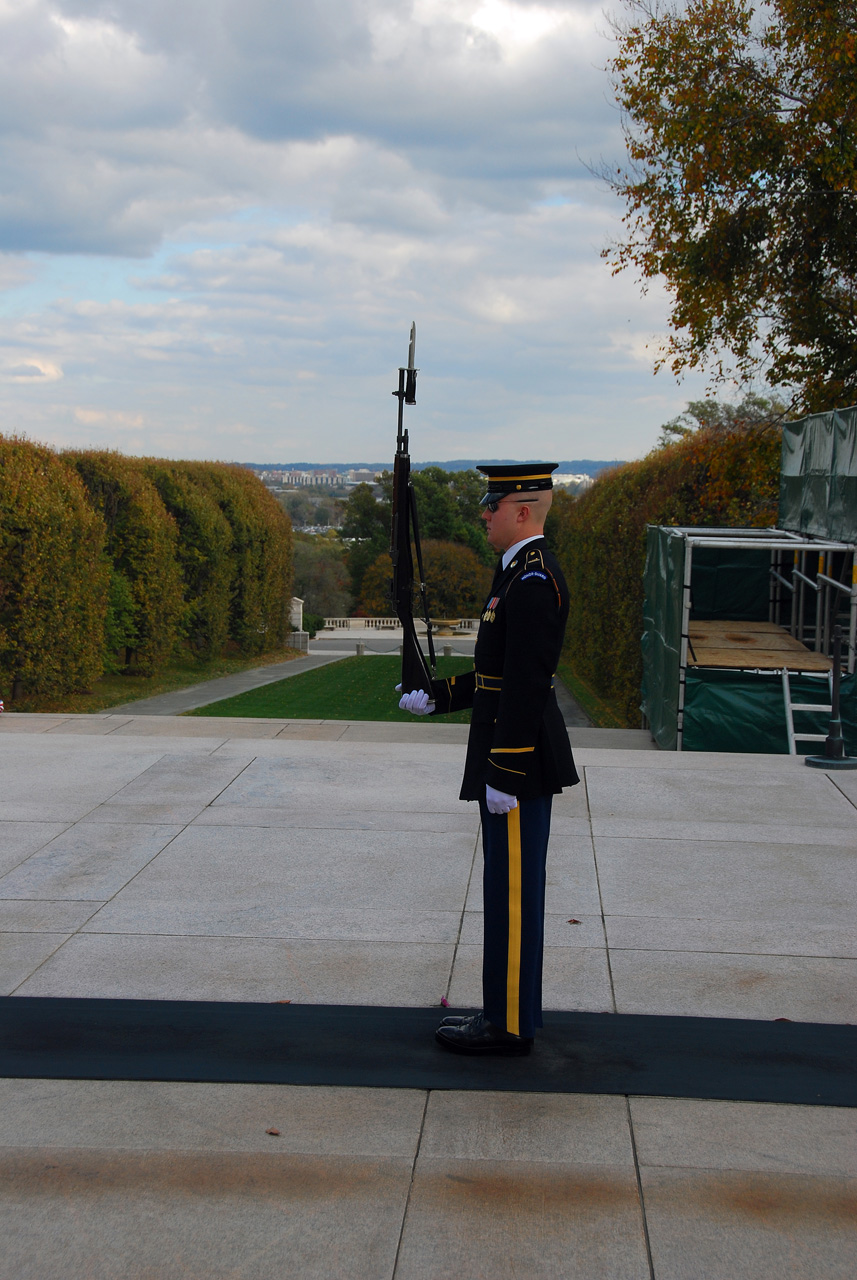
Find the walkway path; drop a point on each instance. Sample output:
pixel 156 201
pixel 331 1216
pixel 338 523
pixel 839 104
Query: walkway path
pixel 178 701
pixel 159 858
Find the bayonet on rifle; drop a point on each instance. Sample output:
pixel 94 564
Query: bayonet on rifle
pixel 417 670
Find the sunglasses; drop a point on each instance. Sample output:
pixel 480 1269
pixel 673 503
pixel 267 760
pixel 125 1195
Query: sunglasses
pixel 492 506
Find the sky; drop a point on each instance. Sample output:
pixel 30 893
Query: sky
pixel 218 220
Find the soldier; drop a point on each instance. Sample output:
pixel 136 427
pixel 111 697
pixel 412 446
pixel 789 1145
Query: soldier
pixel 518 755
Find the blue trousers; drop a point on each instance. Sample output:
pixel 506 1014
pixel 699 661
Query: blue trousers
pixel 514 847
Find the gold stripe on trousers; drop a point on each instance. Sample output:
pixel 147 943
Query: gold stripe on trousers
pixel 513 963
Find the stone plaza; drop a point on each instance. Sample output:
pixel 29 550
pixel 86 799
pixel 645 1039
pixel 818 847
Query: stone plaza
pixel 157 857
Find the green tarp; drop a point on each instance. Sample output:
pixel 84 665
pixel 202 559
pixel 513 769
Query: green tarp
pixel 725 583
pixel 732 583
pixel 818 477
pixel 745 711
pixel 664 575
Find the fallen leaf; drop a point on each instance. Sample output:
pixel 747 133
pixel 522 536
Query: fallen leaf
pixel 782 1019
pixel 275 1133
pixel 574 921
pixel 282 1002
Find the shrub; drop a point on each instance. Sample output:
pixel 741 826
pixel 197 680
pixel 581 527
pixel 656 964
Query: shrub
pixel 313 622
pixel 203 552
pixel 707 478
pixel 260 558
pixel 53 575
pixel 120 632
pixel 142 546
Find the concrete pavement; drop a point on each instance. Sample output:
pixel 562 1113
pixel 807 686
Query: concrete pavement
pixel 161 857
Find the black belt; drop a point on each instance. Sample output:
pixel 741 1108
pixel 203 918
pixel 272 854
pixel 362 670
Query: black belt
pixel 494 684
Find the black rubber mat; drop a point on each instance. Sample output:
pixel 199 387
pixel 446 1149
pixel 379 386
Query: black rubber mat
pixel 796 1062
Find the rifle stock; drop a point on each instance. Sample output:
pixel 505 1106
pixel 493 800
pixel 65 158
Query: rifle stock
pixel 405 541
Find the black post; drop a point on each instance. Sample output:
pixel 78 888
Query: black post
pixel 834 745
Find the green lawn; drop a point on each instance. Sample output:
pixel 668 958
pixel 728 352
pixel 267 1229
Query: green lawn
pixel 351 689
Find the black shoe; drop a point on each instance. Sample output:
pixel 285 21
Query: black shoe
pixel 477 1035
pixel 458 1019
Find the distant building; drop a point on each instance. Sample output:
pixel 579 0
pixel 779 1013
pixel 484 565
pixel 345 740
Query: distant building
pixel 322 479
pixel 568 481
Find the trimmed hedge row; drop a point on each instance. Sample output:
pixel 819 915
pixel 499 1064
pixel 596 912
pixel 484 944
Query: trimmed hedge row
pixel 107 563
pixel 707 478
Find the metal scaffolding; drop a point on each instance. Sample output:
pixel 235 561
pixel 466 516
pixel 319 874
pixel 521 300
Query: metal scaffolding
pixel 809 576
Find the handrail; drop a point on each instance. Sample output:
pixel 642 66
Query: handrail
pixel 840 586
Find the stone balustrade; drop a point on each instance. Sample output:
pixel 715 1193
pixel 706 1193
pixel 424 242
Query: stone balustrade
pixel 393 624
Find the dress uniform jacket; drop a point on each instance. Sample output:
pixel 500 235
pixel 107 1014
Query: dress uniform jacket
pixel 518 741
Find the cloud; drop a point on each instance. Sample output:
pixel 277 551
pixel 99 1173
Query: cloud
pixel 280 189
pixel 125 123
pixel 30 369
pixel 15 271
pixel 99 417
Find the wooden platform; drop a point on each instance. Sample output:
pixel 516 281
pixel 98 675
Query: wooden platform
pixel 762 645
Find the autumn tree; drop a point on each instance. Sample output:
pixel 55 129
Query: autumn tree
pixel 741 188
pixel 448 511
pixel 457 581
pixel 367 526
pixel 312 506
pixel 717 417
pixel 321 575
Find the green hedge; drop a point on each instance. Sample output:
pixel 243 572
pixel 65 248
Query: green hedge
pixel 142 543
pixel 202 552
pixel 109 562
pixel 53 575
pixel 259 556
pixel 705 479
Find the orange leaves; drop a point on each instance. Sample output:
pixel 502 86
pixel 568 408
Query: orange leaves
pixel 741 126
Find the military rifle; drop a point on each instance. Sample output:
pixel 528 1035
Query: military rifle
pixel 417 670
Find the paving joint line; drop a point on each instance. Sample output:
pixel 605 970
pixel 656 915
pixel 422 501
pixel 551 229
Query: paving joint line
pixel 640 1192
pixel 600 896
pixel 410 1186
pixel 842 793
pixel 31 854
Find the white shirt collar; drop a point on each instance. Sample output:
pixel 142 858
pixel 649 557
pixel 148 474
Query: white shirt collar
pixel 509 556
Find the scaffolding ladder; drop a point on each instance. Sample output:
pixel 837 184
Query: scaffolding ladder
pixel 792 707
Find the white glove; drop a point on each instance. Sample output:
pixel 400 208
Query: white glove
pixel 499 801
pixel 418 702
